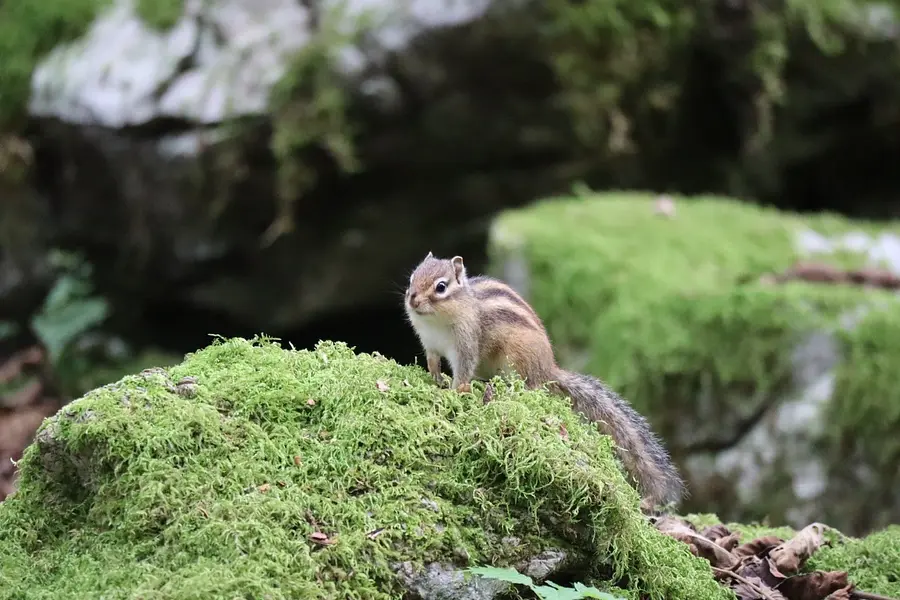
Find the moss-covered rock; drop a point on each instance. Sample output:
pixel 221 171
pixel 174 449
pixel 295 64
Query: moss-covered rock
pixel 249 470
pixel 776 398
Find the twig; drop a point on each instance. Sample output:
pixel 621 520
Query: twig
pixel 762 592
pixel 722 555
pixel 857 595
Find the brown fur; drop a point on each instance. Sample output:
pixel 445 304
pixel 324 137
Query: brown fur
pixel 484 327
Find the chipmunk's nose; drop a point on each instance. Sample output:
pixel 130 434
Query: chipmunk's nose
pixel 414 300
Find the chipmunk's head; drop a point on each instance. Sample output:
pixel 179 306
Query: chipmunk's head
pixel 434 283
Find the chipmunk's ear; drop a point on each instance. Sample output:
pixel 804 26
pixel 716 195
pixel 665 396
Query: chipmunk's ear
pixel 430 255
pixel 459 269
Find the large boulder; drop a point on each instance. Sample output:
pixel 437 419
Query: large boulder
pixel 252 470
pixel 760 344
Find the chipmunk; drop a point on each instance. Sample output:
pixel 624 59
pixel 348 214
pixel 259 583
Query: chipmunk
pixel 484 328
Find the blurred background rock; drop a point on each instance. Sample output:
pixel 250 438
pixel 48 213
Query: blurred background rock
pixel 173 169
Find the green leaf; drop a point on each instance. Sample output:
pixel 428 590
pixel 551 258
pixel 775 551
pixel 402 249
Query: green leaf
pixel 546 592
pixel 62 324
pixel 592 592
pixel 8 329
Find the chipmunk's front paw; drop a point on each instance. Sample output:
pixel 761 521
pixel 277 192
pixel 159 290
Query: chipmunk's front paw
pixel 464 388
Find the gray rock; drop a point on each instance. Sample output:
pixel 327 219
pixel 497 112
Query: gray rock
pixel 883 250
pixel 440 581
pixel 219 62
pixel 783 440
pixel 177 208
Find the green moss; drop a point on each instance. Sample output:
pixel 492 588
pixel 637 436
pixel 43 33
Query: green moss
pixel 136 489
pixel 605 51
pixel 29 30
pixel 625 68
pixel 309 109
pixel 865 391
pixel 672 310
pixel 160 14
pixel 873 562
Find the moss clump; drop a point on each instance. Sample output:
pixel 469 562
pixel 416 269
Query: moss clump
pixel 160 487
pixel 629 73
pixel 657 302
pixel 160 14
pixel 873 561
pixel 309 109
pixel 676 315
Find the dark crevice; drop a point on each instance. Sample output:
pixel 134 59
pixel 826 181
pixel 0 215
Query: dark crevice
pixel 182 329
pixel 184 64
pixel 739 431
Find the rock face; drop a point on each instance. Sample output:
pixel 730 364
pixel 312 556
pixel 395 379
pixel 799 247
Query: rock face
pixel 756 342
pixel 205 158
pixel 320 473
pixel 218 62
pixel 258 165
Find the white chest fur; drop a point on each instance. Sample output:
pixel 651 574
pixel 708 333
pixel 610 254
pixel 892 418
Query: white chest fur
pixel 436 335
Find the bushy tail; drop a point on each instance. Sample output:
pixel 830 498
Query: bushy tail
pixel 640 450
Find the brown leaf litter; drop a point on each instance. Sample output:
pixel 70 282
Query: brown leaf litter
pixel 768 567
pixel 30 396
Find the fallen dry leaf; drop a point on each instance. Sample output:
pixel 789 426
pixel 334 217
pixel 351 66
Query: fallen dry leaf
pixel 664 206
pixel 758 546
pixel 714 532
pixel 382 386
pixel 264 488
pixel 841 594
pixel 320 538
pixel 761 568
pixel 488 393
pixel 729 542
pixel 297 461
pixel 760 593
pixel 748 587
pixel 789 556
pixel 29 393
pixel 310 402
pixel 699 545
pixel 814 586
pixel 17 427
pixel 678 529
pixel 375 533
pixel 563 432
pixel 764 568
pixel 16 363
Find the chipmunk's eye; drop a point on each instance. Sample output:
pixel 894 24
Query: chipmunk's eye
pixel 440 287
